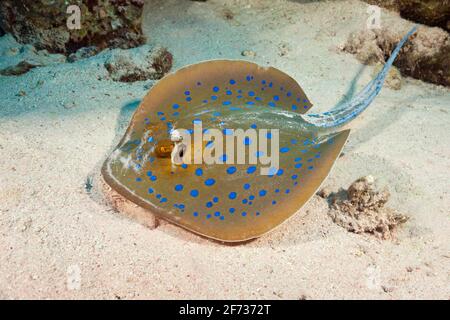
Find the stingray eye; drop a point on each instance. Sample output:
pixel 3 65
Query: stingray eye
pixel 164 149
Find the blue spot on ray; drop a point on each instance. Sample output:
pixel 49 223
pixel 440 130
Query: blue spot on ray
pixel 231 170
pixel 251 169
pixel 194 193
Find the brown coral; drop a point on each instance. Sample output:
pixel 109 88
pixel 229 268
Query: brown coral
pixel 361 209
pixel 426 56
pixel 429 12
pixel 142 64
pixel 104 23
pixel 20 68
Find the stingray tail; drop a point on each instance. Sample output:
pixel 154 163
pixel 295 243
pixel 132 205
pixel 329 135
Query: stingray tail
pixel 347 111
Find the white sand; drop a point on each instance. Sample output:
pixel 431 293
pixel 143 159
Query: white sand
pixel 61 131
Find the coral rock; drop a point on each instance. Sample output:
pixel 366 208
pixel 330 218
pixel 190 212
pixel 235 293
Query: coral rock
pixel 393 79
pixel 43 23
pixel 426 56
pixel 18 59
pixel 139 64
pixel 82 53
pixel 361 209
pixel 429 12
pixel 20 68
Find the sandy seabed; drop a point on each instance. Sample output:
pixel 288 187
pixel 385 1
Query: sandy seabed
pixel 58 124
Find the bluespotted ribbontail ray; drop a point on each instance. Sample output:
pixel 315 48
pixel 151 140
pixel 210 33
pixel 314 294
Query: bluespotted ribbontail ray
pixel 228 201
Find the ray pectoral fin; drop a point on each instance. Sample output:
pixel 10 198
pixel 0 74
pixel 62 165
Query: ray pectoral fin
pixel 287 193
pixel 257 204
pixel 249 206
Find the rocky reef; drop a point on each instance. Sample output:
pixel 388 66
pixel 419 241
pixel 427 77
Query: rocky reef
pixel 17 59
pixel 103 23
pixel 146 62
pixel 426 56
pixel 139 64
pixel 429 12
pixel 361 209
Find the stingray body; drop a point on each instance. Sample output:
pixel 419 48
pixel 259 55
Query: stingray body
pixel 228 201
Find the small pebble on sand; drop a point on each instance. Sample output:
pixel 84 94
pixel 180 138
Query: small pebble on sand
pixel 248 53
